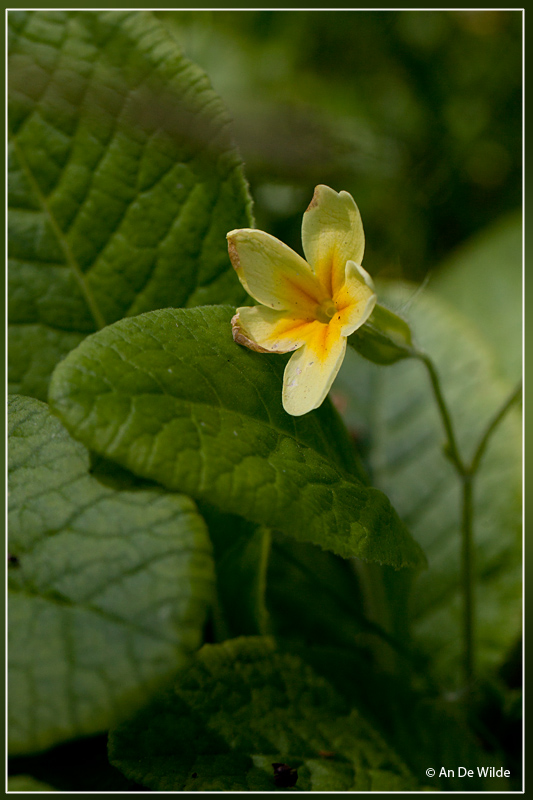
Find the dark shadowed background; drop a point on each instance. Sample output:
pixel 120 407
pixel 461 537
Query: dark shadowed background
pixel 418 114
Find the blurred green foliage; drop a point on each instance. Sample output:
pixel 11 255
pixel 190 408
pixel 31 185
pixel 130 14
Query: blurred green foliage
pixel 416 113
pixel 419 115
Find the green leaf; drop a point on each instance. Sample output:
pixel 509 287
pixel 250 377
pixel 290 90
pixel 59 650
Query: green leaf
pixel 171 397
pixel 241 707
pixel 384 338
pixel 241 552
pixel 108 590
pixel 394 410
pixel 123 182
pixel 483 279
pixel 422 728
pixel 317 599
pixel 313 596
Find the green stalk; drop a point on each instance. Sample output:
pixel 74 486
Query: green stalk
pixel 493 424
pixel 467 581
pixel 467 551
pixel 466 473
pixel 452 448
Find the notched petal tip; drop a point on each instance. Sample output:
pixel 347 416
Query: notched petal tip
pixel 314 199
pixel 318 195
pixel 325 194
pixel 240 337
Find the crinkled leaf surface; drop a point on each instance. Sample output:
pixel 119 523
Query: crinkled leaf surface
pixel 123 182
pixel 422 728
pixel 483 279
pixel 240 552
pixel 171 397
pixel 108 590
pixel 393 409
pixel 241 707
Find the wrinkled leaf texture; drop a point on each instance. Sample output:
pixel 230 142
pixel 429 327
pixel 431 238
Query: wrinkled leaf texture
pixel 171 397
pixel 108 590
pixel 123 181
pixel 242 706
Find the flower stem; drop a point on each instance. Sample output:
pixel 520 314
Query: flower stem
pixel 466 473
pixel 467 581
pixel 493 424
pixel 452 448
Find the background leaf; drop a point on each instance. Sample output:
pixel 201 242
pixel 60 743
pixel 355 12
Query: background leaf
pixel 393 411
pixel 428 160
pixel 424 728
pixel 242 706
pixel 241 552
pixel 314 597
pixel 171 397
pixel 317 611
pixel 483 280
pixel 123 182
pixel 108 590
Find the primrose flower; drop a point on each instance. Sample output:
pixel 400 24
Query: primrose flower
pixel 307 306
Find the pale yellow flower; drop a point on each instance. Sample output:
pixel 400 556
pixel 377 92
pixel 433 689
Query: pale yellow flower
pixel 307 306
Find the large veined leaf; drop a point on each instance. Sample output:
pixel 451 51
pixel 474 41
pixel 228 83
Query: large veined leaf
pixel 108 590
pixel 171 397
pixel 241 707
pixel 394 410
pixel 483 279
pixel 240 553
pixel 123 182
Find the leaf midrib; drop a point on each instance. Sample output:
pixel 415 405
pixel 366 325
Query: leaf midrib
pixel 69 256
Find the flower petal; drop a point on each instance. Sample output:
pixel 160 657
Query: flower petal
pixel 355 300
pixel 312 369
pixel 332 234
pixel 272 273
pixel 266 330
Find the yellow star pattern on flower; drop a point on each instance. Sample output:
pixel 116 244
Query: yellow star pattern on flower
pixel 307 306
